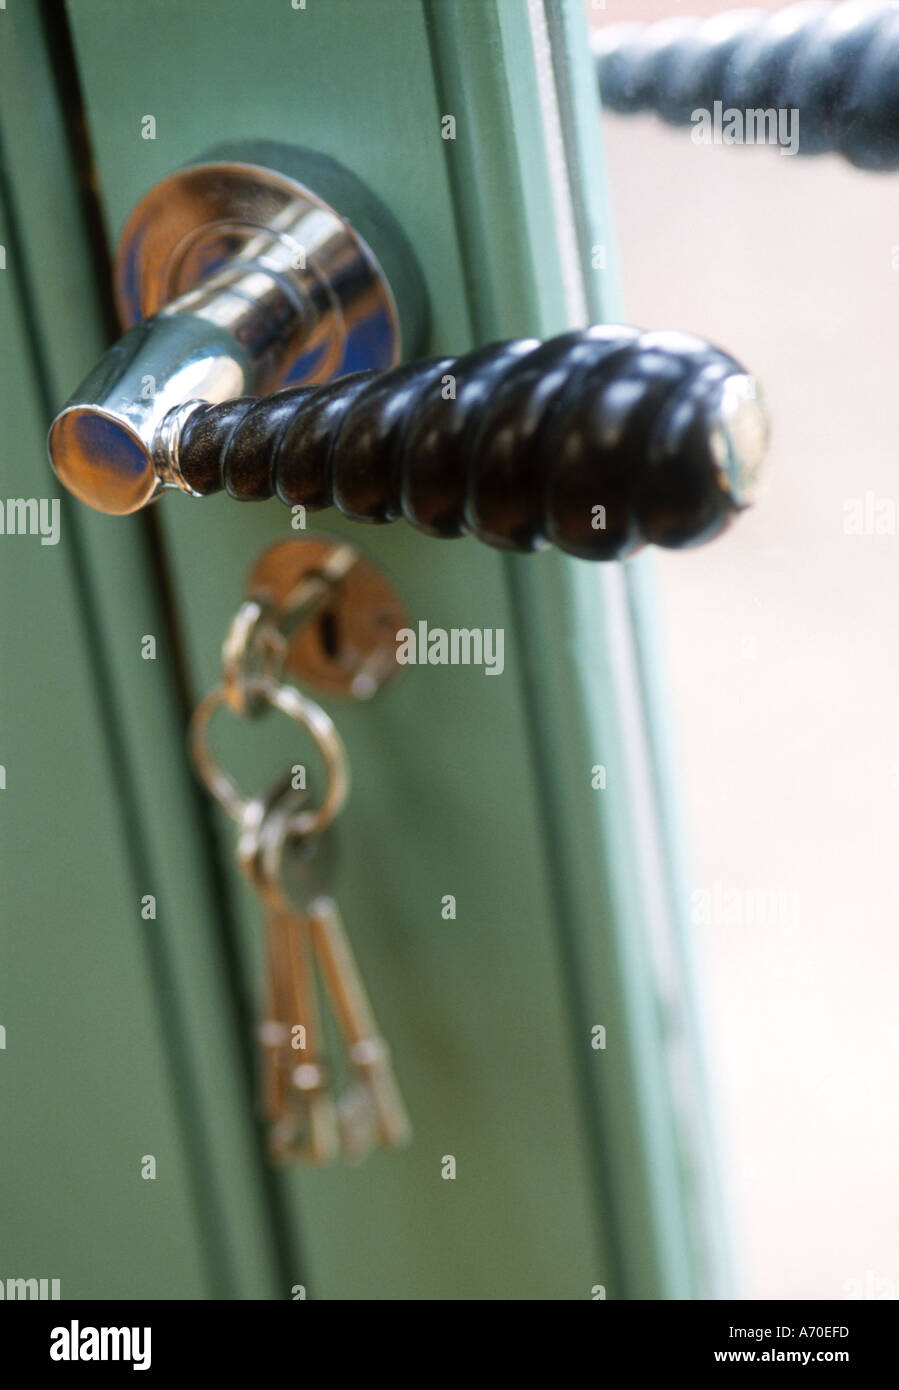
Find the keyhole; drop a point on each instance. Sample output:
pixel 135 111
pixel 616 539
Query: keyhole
pixel 327 625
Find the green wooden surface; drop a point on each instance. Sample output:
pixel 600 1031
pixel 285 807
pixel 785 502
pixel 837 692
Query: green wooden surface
pixel 130 816
pixel 570 1162
pixel 84 1091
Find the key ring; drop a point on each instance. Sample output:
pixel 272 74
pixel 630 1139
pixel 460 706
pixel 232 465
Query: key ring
pixel 267 823
pixel 303 711
pixel 315 611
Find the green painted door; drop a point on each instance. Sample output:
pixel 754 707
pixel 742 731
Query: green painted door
pixel 581 1171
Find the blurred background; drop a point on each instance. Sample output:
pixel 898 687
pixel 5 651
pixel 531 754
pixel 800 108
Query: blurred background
pixel 782 650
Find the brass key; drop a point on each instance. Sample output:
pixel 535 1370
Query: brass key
pixel 304 929
pixel 372 1112
pixel 296 1099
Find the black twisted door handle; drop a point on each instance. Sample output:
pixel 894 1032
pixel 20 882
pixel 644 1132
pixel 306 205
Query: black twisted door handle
pixel 837 65
pixel 596 442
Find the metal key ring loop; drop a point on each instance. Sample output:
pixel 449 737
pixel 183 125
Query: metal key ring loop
pixel 253 844
pixel 302 711
pixel 251 638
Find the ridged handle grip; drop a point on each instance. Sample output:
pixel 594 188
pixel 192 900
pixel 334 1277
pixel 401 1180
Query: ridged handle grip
pixel 596 442
pixel 836 64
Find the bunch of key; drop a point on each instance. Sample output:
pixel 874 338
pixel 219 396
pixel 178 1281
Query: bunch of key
pixel 285 848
